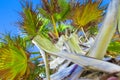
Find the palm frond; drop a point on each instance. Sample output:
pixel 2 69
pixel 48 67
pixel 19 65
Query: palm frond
pixel 86 14
pixel 55 11
pixel 14 59
pixel 64 10
pixel 114 47
pixel 30 22
pixel 9 40
pixel 58 8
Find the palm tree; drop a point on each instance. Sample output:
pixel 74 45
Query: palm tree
pixel 32 24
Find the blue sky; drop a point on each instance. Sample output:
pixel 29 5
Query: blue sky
pixel 9 15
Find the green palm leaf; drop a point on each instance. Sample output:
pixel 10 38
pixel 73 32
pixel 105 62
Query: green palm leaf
pixel 55 11
pixel 58 8
pixel 31 22
pixel 114 48
pixel 86 14
pixel 14 60
pixel 65 9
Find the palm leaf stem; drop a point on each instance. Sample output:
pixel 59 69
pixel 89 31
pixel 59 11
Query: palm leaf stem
pixel 35 58
pixel 45 58
pixel 47 68
pixel 84 33
pixel 54 26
